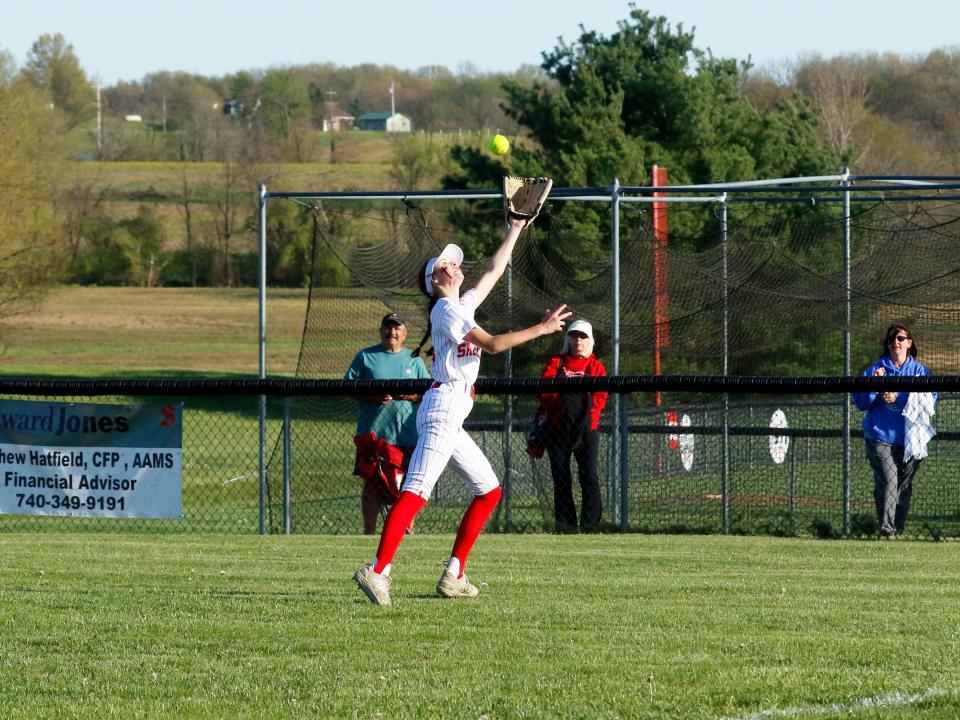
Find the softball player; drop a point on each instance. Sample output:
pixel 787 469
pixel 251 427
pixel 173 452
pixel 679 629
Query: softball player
pixel 458 343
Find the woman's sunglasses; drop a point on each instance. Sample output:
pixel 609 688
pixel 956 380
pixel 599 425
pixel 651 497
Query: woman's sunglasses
pixel 898 338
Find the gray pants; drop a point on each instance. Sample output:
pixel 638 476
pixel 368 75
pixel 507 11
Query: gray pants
pixel 892 485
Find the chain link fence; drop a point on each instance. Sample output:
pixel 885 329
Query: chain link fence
pixel 779 471
pixel 783 460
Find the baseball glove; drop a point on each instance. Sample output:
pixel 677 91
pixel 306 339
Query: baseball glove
pixel 524 197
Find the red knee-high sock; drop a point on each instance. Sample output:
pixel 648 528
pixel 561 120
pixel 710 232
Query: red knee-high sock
pixel 472 525
pixel 398 520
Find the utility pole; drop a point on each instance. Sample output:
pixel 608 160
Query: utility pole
pixel 331 94
pixel 328 108
pixel 99 118
pixel 393 106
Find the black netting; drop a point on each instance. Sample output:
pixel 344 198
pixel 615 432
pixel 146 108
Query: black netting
pixel 776 279
pixel 779 278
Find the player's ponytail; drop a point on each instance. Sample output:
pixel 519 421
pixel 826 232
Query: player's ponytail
pixel 426 335
pixel 422 282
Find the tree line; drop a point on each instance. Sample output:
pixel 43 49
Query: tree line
pixel 278 108
pixel 596 108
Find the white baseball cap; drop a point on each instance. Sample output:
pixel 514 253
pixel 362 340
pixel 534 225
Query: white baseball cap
pixel 578 326
pixel 581 326
pixel 452 253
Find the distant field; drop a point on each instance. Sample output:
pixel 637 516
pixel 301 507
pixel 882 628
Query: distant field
pixel 358 160
pixel 166 178
pixel 102 332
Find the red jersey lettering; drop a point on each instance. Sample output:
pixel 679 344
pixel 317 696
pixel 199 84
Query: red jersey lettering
pixel 467 349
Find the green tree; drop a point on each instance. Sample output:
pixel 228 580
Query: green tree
pixel 142 239
pixel 289 245
pixel 610 107
pixel 285 110
pixel 231 201
pixel 82 212
pixel 53 67
pixel 31 254
pixel 193 116
pixel 242 88
pixel 416 160
pixel 7 67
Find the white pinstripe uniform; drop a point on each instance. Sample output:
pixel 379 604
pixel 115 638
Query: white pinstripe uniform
pixel 447 404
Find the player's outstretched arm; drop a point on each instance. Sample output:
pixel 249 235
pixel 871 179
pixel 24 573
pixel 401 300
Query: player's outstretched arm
pixel 498 263
pixel 552 322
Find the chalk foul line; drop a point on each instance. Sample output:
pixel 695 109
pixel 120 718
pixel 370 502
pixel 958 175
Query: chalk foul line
pixel 889 700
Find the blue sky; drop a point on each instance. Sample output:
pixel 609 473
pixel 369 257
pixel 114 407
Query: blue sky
pixel 123 40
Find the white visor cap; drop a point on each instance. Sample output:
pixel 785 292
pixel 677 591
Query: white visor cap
pixel 578 326
pixel 452 253
pixel 581 326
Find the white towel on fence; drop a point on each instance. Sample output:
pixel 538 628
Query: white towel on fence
pixel 917 415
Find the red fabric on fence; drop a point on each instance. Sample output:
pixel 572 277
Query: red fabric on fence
pixel 380 460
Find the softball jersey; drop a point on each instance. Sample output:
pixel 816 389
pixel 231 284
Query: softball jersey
pixel 454 358
pixel 447 404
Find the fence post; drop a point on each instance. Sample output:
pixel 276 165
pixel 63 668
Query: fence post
pixel 725 437
pixel 508 416
pixel 846 351
pixel 263 359
pixel 286 465
pixel 793 483
pixel 624 462
pixel 614 476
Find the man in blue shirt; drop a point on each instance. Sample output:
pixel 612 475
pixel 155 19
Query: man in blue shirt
pixel 392 418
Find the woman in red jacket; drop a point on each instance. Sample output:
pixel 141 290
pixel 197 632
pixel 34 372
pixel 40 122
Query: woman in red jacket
pixel 573 421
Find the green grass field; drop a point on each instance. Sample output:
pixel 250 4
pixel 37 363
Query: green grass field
pixel 105 626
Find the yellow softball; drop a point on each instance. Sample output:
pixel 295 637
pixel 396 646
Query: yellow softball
pixel 499 145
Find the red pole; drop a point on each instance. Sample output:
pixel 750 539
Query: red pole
pixel 661 293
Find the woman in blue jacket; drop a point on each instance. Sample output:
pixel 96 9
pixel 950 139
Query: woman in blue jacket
pixel 885 430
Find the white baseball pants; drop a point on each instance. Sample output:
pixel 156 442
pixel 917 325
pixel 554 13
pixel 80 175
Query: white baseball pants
pixel 442 440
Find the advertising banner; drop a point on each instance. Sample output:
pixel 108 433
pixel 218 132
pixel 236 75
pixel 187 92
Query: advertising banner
pixel 87 460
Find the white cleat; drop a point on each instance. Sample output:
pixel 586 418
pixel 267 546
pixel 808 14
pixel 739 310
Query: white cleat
pixel 375 586
pixel 453 587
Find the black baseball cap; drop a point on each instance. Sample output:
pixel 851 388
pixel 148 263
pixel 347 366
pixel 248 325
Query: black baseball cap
pixel 392 319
